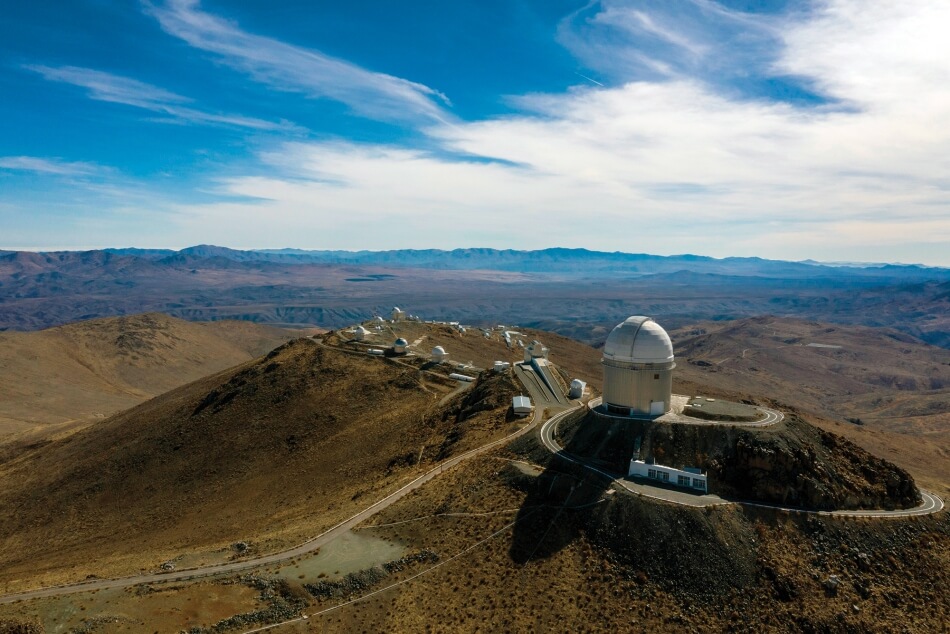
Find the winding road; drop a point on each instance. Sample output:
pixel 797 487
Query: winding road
pixel 770 417
pixel 931 503
pixel 301 549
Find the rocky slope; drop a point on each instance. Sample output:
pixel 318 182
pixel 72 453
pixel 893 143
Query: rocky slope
pixel 792 463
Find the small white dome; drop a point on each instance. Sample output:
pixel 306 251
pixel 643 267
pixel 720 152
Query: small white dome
pixel 638 340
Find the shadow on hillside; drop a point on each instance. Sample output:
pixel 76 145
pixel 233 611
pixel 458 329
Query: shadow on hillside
pixel 555 508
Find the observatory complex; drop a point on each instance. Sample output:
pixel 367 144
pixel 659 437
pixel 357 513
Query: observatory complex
pixel 638 369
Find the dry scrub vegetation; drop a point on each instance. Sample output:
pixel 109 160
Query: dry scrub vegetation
pixel 885 391
pixel 89 370
pixel 620 563
pixel 275 450
pixel 280 448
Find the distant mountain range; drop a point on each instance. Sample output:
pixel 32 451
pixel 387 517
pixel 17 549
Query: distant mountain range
pixel 575 292
pixel 573 262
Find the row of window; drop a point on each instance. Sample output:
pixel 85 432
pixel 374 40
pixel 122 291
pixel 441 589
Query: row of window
pixel 681 480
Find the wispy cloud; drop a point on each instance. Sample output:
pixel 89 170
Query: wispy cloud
pixel 666 162
pixel 672 165
pixel 54 166
pixel 103 86
pixel 700 40
pixel 295 69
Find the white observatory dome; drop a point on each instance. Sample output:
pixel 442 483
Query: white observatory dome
pixel 439 353
pixel 638 340
pixel 638 369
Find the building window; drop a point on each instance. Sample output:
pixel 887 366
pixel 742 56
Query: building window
pixel 656 377
pixel 682 481
pixel 699 484
pixel 664 476
pixel 651 473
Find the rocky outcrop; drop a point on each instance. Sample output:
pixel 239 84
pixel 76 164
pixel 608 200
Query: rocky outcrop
pixel 792 464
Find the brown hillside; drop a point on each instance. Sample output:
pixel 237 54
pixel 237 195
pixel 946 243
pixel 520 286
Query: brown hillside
pixel 791 463
pixel 93 369
pixel 893 388
pixel 575 560
pixel 275 450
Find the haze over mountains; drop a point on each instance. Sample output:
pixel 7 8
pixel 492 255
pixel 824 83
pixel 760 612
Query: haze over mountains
pixel 571 291
pixel 554 260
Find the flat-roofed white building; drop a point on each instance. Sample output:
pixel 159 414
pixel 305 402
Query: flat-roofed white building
pixel 521 405
pixel 688 477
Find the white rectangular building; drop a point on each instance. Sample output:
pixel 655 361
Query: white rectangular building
pixel 521 405
pixel 689 478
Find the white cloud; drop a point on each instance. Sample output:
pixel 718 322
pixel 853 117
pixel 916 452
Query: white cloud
pixel 667 166
pixel 103 86
pixel 54 166
pixel 632 40
pixel 296 69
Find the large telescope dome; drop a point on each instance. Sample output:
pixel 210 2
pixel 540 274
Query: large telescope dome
pixel 638 340
pixel 638 369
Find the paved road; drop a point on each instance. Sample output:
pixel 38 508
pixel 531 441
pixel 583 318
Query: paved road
pixel 771 416
pixel 931 503
pixel 301 549
pixel 540 393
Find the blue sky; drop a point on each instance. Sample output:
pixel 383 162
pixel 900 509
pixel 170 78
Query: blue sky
pixel 781 129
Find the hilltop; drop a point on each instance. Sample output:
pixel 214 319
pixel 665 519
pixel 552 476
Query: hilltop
pixel 92 369
pixel 276 449
pixel 879 387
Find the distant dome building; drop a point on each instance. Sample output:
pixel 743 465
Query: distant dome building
pixel 397 314
pixel 536 350
pixel 359 333
pixel 400 345
pixel 638 369
pixel 439 354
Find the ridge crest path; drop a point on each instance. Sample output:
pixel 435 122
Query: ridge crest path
pixel 304 548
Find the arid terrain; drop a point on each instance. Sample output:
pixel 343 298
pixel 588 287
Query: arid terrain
pixel 259 457
pixel 878 387
pixel 86 371
pixel 574 292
